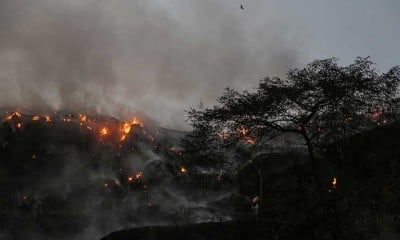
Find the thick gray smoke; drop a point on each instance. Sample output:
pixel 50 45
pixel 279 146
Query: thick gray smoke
pixel 119 57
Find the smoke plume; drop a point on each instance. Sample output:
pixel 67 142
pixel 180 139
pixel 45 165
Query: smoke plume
pixel 156 57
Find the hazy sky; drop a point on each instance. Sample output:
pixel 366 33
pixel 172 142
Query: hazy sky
pixel 161 57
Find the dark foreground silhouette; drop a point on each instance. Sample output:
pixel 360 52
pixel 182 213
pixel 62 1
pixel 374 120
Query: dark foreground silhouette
pixel 226 230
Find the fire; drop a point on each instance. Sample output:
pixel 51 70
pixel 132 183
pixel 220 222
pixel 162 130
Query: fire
pixel 47 118
pixel 104 131
pixel 19 125
pixel 17 114
pixel 136 121
pixel 136 176
pixel 123 137
pixel 183 170
pixel 244 131
pixel 36 118
pixel 334 182
pixel 126 127
pixel 82 117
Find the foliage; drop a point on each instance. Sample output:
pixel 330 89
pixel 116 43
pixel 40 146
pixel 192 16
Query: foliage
pixel 323 102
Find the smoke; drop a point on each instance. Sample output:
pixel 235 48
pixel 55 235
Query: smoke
pixel 61 179
pixel 119 57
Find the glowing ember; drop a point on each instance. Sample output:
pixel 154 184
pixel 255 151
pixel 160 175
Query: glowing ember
pixel 138 175
pixel 130 178
pixel 17 114
pixel 183 170
pixel 334 182
pixel 82 117
pixel 244 131
pixel 122 137
pixel 19 125
pixel 35 118
pixel 104 131
pixel 47 118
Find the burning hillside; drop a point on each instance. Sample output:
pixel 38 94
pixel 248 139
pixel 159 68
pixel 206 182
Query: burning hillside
pixel 77 170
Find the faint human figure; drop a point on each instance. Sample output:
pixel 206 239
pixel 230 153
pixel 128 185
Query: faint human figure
pixel 255 205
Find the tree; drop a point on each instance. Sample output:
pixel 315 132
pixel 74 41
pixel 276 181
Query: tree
pixel 202 147
pixel 322 103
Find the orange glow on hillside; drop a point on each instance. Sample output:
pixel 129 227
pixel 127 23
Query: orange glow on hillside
pixel 103 131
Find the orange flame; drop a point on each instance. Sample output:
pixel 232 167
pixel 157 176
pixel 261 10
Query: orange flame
pixel 19 125
pixel 127 126
pixel 103 131
pixel 123 137
pixel 36 118
pixel 244 131
pixel 47 118
pixel 334 182
pixel 136 176
pixel 82 117
pixel 17 114
pixel 183 170
pixel 136 121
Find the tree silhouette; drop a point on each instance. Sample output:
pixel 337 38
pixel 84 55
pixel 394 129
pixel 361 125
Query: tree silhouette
pixel 323 103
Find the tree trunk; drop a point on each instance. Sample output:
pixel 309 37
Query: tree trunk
pixel 328 208
pixel 314 164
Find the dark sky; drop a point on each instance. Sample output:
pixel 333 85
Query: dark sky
pixel 161 57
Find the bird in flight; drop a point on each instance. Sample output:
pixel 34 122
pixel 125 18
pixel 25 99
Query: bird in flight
pixel 241 6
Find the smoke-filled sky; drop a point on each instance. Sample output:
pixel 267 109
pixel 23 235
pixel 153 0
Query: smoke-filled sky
pixel 161 57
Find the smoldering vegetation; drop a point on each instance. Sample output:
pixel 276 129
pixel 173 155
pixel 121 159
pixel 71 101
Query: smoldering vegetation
pixel 70 176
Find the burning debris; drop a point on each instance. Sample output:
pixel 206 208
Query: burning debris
pixel 183 170
pixel 334 182
pixel 104 131
pixel 113 128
